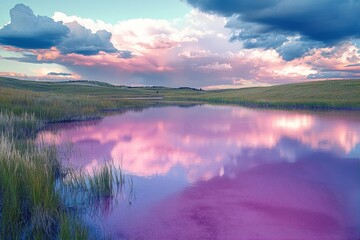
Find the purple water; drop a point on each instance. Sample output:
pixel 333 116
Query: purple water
pixel 211 172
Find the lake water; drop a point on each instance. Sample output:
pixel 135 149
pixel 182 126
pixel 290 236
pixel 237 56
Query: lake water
pixel 226 172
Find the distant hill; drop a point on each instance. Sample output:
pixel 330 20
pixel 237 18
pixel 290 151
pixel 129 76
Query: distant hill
pixel 331 94
pixel 88 83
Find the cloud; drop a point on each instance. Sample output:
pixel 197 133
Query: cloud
pixel 59 74
pixel 145 35
pixel 191 51
pixel 83 41
pixel 88 23
pixel 126 54
pixel 41 76
pixel 31 32
pixel 296 47
pixel 271 23
pixel 334 75
pixel 323 20
pixel 237 84
pixel 197 48
pixel 253 35
pixel 12 75
pixel 28 31
pixel 337 62
pixel 214 67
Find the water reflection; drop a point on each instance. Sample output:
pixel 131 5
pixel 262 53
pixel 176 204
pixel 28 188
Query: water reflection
pixel 222 172
pixel 303 200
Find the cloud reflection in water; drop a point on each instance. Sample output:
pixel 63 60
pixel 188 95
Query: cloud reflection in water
pixel 247 172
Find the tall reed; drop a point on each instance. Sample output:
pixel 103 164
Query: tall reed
pixel 33 182
pixel 30 204
pixel 19 126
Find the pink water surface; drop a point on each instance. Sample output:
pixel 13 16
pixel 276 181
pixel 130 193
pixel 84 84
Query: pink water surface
pixel 211 172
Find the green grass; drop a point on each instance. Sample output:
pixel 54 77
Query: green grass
pixel 34 190
pixel 19 126
pixel 339 94
pixel 50 106
pixel 78 100
pixel 30 204
pixel 72 228
pixel 102 183
pixel 56 102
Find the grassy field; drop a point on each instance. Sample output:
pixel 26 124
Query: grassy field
pixel 73 101
pixel 88 98
pixel 337 94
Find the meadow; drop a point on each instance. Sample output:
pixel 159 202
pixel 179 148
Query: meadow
pixel 92 98
pixel 39 198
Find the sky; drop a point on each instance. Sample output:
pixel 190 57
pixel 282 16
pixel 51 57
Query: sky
pixel 206 44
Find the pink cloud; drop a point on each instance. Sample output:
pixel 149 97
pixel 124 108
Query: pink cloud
pixel 47 55
pixel 13 74
pixel 344 58
pixel 42 74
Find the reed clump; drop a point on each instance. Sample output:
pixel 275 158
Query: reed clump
pixel 19 126
pixel 33 182
pixel 29 202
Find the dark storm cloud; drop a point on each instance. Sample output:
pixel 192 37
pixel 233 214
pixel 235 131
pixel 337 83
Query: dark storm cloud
pixel 268 23
pixel 254 35
pixel 31 32
pixel 83 41
pixel 28 31
pixel 230 7
pixel 323 20
pixel 297 47
pixel 27 58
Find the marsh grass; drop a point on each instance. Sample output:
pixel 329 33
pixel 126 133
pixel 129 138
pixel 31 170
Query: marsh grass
pixel 30 204
pixel 106 181
pixel 72 228
pixel 19 126
pixel 35 189
pixel 98 189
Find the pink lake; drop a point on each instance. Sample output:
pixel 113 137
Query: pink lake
pixel 225 172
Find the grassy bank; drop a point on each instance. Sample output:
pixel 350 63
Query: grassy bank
pixel 56 107
pixel 78 99
pixel 340 94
